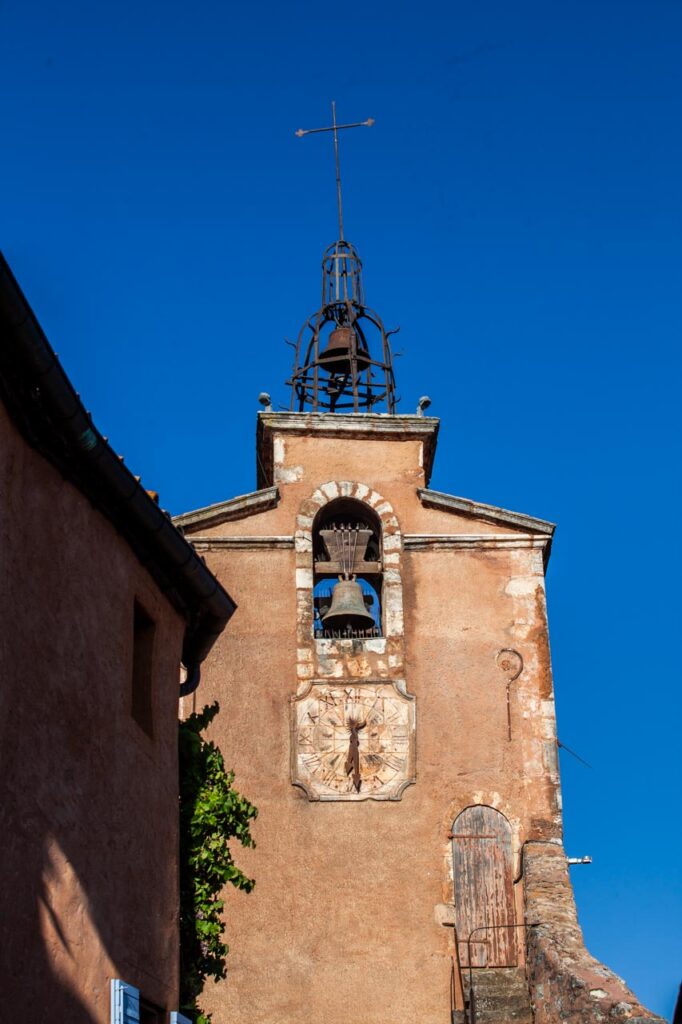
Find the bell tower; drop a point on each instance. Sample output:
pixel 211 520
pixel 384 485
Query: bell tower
pixel 387 703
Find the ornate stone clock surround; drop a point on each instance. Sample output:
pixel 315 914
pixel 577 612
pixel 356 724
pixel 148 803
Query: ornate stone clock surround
pixel 387 744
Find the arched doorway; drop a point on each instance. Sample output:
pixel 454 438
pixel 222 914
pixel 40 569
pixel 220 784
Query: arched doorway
pixel 484 889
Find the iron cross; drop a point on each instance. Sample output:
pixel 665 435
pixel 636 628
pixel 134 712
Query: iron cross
pixel 336 128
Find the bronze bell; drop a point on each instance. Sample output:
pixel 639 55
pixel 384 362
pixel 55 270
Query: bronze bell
pixel 336 356
pixel 347 607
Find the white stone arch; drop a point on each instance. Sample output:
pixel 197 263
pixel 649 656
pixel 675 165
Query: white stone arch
pixel 392 548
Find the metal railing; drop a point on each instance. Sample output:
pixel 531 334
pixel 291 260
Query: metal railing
pixel 470 1003
pixel 456 972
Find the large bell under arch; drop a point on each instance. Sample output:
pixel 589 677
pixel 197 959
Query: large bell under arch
pixel 347 571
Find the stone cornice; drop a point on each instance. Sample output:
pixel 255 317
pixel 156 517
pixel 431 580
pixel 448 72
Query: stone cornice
pixel 489 513
pixel 364 426
pixel 480 542
pixel 241 543
pixel 225 511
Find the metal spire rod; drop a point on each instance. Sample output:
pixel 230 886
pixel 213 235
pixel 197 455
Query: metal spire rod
pixel 336 128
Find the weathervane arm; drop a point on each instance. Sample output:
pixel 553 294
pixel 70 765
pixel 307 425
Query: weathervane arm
pixel 357 124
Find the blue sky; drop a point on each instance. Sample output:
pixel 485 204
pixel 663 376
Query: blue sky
pixel 518 208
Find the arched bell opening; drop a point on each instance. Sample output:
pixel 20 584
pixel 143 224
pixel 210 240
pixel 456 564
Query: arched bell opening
pixel 347 572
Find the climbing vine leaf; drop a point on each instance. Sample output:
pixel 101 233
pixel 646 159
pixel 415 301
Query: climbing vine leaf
pixel 212 813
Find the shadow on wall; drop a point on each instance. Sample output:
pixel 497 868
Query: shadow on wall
pixel 45 975
pixel 78 905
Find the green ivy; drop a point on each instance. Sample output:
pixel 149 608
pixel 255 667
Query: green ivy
pixel 211 813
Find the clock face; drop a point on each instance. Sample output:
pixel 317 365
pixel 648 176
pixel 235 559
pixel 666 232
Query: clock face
pixel 353 742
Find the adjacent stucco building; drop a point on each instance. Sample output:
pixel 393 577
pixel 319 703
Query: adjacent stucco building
pixel 101 600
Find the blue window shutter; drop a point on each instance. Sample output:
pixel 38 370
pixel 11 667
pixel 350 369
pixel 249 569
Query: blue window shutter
pixel 179 1018
pixel 125 1003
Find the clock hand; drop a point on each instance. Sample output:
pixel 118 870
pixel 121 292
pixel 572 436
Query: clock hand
pixel 353 759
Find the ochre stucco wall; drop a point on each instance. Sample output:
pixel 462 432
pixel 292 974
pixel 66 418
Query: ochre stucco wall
pixel 344 919
pixel 89 809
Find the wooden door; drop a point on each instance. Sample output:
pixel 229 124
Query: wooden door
pixel 484 890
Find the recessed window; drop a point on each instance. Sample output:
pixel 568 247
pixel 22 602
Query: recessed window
pixel 144 628
pixel 150 1013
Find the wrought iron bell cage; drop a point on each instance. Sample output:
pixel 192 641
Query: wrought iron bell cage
pixel 341 275
pixel 334 366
